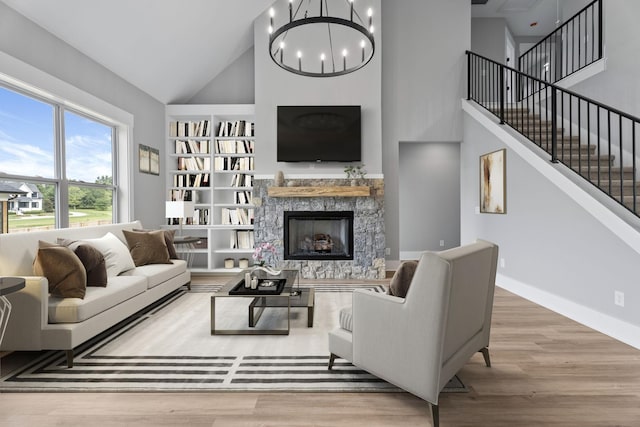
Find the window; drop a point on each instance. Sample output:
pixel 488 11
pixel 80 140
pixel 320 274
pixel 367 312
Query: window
pixel 60 161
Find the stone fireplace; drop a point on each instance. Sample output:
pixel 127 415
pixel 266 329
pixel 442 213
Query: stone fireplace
pixel 320 248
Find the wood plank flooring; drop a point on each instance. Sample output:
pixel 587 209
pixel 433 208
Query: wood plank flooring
pixel 547 371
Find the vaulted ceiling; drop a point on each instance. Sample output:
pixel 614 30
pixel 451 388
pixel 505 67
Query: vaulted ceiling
pixel 171 49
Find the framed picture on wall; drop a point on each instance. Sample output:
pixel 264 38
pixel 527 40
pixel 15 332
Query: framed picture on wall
pixel 493 186
pixel 149 159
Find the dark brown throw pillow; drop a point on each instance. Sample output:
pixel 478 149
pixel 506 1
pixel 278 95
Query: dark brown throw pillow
pixel 169 236
pixel 401 280
pixel 92 260
pixel 147 247
pixel 62 268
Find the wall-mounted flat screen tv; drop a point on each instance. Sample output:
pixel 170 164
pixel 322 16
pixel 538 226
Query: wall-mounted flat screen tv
pixel 319 133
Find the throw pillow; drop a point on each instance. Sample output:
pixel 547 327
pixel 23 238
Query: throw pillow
pixel 169 236
pixel 62 268
pixel 147 247
pixel 401 280
pixel 116 254
pixel 92 260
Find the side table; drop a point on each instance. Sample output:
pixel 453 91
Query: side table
pixel 190 243
pixel 7 286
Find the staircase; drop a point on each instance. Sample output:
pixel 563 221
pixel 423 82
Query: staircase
pixel 581 157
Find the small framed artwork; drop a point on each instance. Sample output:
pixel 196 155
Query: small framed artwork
pixel 493 186
pixel 154 161
pixel 148 159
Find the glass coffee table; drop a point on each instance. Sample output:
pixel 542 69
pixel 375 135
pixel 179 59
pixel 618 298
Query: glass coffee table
pixel 290 296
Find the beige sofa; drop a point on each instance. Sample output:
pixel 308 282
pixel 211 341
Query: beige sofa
pixel 41 322
pixel 420 342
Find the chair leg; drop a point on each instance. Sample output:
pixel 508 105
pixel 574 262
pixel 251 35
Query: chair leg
pixel 435 415
pixel 332 359
pixel 69 358
pixel 485 354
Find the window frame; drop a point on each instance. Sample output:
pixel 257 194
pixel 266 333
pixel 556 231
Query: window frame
pixel 65 97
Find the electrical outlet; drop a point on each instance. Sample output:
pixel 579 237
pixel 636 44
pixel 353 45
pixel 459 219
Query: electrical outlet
pixel 618 298
pixel 387 251
pixel 502 263
pixel 441 242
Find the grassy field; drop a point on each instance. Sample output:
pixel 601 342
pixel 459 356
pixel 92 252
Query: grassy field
pixel 78 218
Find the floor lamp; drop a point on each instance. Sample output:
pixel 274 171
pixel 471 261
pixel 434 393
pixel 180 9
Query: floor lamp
pixel 179 209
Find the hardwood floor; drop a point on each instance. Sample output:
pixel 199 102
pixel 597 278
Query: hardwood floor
pixel 547 370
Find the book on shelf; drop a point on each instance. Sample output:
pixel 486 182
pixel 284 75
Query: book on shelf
pixel 241 180
pixel 236 216
pixel 241 239
pixel 233 163
pixel 235 128
pixel 183 195
pixel 197 129
pixel 193 163
pixel 242 197
pixel 234 146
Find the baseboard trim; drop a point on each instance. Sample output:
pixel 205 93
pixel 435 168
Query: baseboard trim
pixel 608 325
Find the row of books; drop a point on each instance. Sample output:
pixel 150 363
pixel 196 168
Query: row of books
pixel 192 147
pixel 200 217
pixel 241 146
pixel 200 128
pixel 186 195
pixel 242 197
pixel 233 163
pixel 236 128
pixel 236 216
pixel 242 239
pixel 194 163
pixel 241 180
pixel 191 180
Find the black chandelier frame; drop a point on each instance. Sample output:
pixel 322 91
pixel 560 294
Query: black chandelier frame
pixel 322 19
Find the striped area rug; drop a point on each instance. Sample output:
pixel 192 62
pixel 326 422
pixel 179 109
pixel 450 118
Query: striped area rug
pixel 168 347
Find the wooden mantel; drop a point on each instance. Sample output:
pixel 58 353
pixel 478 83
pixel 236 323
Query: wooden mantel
pixel 325 191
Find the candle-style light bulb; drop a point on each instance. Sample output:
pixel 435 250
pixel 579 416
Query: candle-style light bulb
pixel 272 12
pixel 271 15
pixel 344 58
pixel 299 60
pixel 362 45
pixel 281 50
pixel 322 57
pixel 370 15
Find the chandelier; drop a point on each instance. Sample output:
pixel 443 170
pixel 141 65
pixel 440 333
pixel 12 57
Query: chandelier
pixel 311 42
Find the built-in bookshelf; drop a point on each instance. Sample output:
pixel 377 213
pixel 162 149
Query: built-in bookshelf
pixel 210 161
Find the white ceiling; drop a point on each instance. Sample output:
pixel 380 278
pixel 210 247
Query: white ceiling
pixel 168 48
pixel 171 49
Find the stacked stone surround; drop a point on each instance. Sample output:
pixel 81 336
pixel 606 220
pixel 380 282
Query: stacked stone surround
pixel 368 227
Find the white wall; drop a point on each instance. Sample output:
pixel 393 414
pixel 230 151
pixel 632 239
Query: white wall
pixel 488 37
pixel 429 197
pixel 234 85
pixel 27 42
pixel 275 86
pixel 552 247
pixel 423 80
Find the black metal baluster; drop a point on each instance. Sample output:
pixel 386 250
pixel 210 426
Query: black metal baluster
pixel 579 137
pixel 621 162
pixel 501 71
pixel 609 145
pixel 593 35
pixel 598 148
pixel 468 76
pixel 570 132
pixel 554 125
pixel 600 38
pixel 579 42
pixel 633 160
pixel 589 140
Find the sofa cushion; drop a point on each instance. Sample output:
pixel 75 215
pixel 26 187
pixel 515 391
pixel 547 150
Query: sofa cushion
pixel 116 254
pixel 96 300
pixel 92 260
pixel 158 273
pixel 147 247
pixel 401 280
pixel 346 318
pixel 62 268
pixel 169 236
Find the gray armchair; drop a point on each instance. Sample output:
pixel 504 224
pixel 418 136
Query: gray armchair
pixel 420 342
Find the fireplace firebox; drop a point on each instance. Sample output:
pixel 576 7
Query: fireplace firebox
pixel 318 235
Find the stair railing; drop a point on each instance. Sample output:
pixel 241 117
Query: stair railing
pixel 575 44
pixel 596 141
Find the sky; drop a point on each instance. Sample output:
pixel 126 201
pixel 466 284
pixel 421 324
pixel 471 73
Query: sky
pixel 27 140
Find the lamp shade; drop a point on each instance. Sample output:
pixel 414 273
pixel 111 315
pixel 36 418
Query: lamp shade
pixel 179 209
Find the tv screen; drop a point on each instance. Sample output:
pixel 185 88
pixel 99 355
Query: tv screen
pixel 319 133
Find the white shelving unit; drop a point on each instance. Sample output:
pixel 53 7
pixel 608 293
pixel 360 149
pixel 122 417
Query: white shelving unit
pixel 225 182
